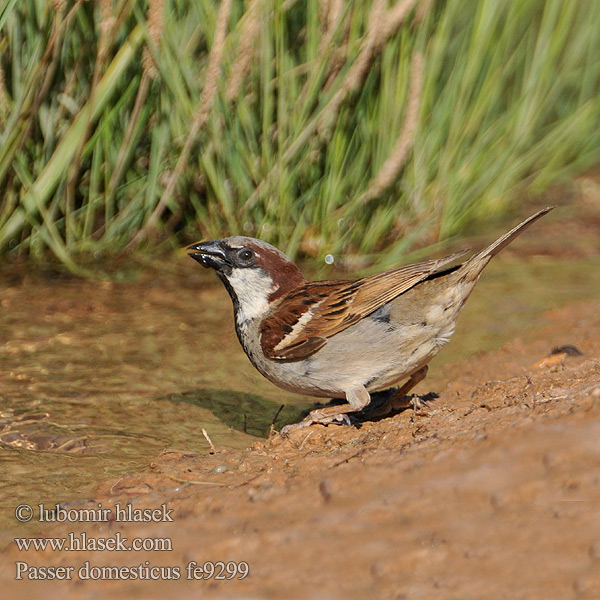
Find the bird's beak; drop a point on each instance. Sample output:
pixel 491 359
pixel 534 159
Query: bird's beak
pixel 209 254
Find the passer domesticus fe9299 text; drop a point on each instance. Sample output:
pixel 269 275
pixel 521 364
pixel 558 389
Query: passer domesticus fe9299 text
pixel 342 339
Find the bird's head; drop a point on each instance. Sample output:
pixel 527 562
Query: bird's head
pixel 255 273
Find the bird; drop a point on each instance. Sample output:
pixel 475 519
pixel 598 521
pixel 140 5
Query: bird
pixel 337 338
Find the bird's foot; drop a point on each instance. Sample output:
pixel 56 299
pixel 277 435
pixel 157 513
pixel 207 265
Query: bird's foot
pixel 419 404
pixel 392 406
pixel 400 398
pixel 317 416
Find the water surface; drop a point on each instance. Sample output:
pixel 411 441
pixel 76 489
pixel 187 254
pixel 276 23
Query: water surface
pixel 98 378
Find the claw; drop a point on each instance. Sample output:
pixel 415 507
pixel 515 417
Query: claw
pixel 418 404
pixel 342 419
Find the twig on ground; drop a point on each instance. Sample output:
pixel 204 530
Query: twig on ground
pixel 213 450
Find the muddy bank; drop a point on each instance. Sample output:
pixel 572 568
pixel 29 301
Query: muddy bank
pixel 493 491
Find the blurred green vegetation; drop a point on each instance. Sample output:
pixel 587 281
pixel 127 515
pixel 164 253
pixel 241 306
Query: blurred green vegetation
pixel 320 126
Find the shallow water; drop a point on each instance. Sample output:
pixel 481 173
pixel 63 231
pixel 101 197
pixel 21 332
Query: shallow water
pixel 98 378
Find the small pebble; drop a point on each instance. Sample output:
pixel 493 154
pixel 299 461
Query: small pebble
pixel 584 585
pixel 567 349
pixel 498 500
pixel 550 461
pixel 377 570
pixel 220 469
pixel 594 551
pixel 325 489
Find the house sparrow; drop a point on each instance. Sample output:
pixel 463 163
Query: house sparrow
pixel 342 339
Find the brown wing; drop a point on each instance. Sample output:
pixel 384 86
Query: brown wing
pixel 313 312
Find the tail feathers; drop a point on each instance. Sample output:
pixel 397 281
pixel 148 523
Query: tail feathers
pixel 473 267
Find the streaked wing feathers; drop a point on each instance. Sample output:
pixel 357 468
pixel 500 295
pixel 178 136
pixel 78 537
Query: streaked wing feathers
pixel 313 312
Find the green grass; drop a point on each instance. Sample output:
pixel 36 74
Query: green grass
pixel 303 134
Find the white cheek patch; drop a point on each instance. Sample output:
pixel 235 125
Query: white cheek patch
pixel 252 288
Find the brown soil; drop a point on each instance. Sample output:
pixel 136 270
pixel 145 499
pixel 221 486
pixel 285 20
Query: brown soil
pixel 493 491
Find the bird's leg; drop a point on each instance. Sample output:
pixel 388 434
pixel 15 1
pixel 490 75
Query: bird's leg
pixel 398 400
pixel 357 398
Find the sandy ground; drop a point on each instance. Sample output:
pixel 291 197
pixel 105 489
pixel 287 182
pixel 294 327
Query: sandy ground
pixel 491 492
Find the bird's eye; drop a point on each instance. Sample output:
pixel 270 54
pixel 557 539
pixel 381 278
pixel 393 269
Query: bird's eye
pixel 246 254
